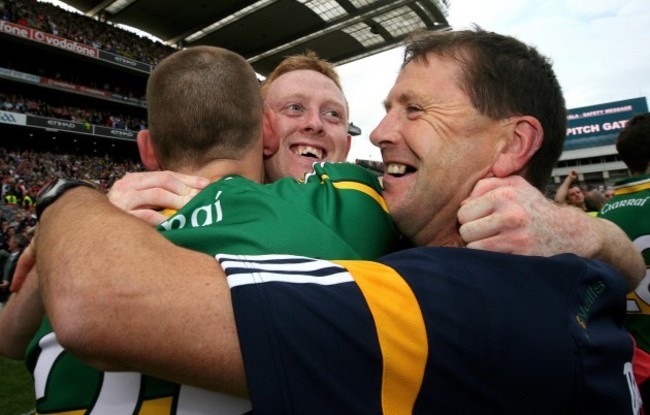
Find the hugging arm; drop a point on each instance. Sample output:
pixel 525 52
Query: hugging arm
pixel 122 297
pixel 509 215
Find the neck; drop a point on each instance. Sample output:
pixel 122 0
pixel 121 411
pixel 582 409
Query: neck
pixel 250 165
pixel 441 231
pixel 220 168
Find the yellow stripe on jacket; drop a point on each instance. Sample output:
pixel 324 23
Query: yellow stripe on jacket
pixel 400 330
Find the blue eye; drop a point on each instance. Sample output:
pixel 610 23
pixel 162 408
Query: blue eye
pixel 333 114
pixel 294 107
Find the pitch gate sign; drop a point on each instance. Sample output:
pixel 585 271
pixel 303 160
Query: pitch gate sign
pixel 600 124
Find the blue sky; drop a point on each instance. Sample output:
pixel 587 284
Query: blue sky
pixel 600 50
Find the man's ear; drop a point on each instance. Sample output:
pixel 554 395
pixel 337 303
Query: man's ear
pixel 269 138
pixel 525 138
pixel 147 152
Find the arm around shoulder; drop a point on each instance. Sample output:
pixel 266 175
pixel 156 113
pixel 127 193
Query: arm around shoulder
pixel 597 238
pixel 592 237
pixel 121 296
pixel 617 249
pixel 509 215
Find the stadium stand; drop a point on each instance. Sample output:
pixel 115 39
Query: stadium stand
pixel 71 100
pixel 70 84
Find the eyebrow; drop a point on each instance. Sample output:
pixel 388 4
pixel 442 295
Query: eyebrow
pixel 402 98
pixel 292 96
pixel 301 96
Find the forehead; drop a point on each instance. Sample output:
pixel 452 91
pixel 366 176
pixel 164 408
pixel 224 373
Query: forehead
pixel 436 78
pixel 305 83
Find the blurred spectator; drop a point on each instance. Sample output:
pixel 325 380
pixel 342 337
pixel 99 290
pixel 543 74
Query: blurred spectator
pixel 4 237
pixel 594 200
pixel 572 195
pixel 17 244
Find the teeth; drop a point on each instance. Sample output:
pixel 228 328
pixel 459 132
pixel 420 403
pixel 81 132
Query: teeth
pixel 394 168
pixel 308 151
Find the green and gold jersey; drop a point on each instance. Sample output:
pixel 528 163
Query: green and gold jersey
pixel 337 212
pixel 630 209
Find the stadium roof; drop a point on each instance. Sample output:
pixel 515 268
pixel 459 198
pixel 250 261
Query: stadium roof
pixel 264 31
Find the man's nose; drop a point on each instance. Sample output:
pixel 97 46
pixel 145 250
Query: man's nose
pixel 385 133
pixel 313 122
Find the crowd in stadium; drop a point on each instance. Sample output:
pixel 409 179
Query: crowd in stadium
pixel 25 172
pixel 88 116
pixel 51 19
pixel 22 171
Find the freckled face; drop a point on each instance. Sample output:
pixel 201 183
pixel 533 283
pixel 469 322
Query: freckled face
pixel 435 146
pixel 307 114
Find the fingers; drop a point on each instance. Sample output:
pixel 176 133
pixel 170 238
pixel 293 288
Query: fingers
pixel 490 195
pixel 155 198
pixel 510 215
pixel 177 183
pixel 474 209
pixel 172 181
pixel 146 204
pixel 506 230
pixel 478 229
pixel 495 217
pixel 154 190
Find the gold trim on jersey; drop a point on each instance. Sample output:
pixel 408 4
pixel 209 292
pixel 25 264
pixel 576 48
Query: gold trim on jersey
pixel 400 329
pixel 632 188
pixel 363 188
